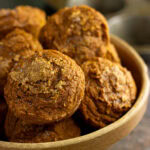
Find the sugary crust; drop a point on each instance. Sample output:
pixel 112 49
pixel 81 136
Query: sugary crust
pixel 14 46
pixel 27 18
pixel 19 40
pixel 110 92
pixel 79 32
pixel 45 88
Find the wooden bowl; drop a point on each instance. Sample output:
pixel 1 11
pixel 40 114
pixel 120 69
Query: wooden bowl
pixel 104 138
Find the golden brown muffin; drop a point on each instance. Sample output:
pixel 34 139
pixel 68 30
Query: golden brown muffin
pixel 45 88
pixel 25 17
pixel 13 47
pixel 3 112
pixel 112 54
pixel 79 32
pixel 18 131
pixel 110 92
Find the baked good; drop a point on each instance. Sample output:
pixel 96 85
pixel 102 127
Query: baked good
pixel 27 18
pixel 18 131
pixel 79 32
pixel 110 91
pixel 14 46
pixel 45 88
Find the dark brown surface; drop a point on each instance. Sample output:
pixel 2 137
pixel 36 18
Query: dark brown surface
pixel 3 112
pixel 45 88
pixel 139 138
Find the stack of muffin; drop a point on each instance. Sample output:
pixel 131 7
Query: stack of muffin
pixel 51 68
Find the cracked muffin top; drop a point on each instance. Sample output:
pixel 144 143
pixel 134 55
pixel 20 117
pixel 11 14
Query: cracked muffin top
pixel 79 32
pixel 45 88
pixel 110 91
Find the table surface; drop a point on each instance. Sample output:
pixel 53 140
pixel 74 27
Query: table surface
pixel 139 138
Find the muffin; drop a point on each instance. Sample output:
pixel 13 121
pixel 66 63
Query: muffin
pixel 13 47
pixel 18 131
pixel 45 88
pixel 79 32
pixel 27 18
pixel 110 91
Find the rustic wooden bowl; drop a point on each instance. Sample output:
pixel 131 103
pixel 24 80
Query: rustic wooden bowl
pixel 104 138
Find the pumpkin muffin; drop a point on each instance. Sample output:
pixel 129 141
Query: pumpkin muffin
pixel 45 88
pixel 27 18
pixel 110 92
pixel 18 131
pixel 79 32
pixel 13 47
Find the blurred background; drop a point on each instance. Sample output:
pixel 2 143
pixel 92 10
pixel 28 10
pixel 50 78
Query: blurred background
pixel 128 19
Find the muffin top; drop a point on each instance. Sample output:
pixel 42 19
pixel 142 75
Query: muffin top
pixel 110 91
pixel 45 88
pixel 17 41
pixel 14 46
pixel 27 18
pixel 79 32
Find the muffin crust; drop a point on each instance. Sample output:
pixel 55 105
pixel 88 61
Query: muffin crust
pixel 45 88
pixel 27 18
pixel 110 92
pixel 14 46
pixel 18 131
pixel 79 32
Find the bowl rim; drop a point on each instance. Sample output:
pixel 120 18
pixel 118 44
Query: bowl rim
pixel 137 106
